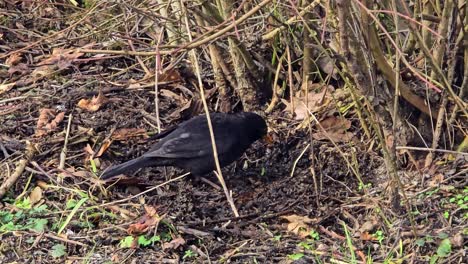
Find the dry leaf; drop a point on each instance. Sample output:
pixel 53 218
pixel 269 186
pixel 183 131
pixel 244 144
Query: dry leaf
pixel 170 75
pixel 174 244
pixel 299 225
pixel 436 180
pixel 94 104
pixel 367 237
pixel 134 85
pixel 36 195
pixel 335 130
pixel 44 185
pixel 314 102
pixel 13 59
pixel 105 145
pixel 6 87
pixel 42 72
pixel 48 121
pixel 369 225
pixel 145 222
pixel 88 149
pixel 21 68
pixel 150 210
pixel 82 174
pixel 457 240
pixel 54 123
pixel 126 133
pixel 170 94
pixel 61 58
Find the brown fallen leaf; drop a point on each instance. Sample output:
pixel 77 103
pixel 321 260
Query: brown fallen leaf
pixel 150 210
pixel 174 243
pixel 13 59
pixel 335 130
pixel 48 121
pixel 104 146
pixel 124 134
pixel 313 102
pixel 368 237
pixel 93 104
pixel 436 180
pixel 20 68
pixel 61 58
pixel 170 75
pixel 36 195
pixel 147 221
pixel 44 185
pixel 299 225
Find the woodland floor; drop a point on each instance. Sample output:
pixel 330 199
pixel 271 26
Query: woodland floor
pixel 288 214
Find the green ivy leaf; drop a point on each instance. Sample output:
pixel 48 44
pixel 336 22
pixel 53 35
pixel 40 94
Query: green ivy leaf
pixel 296 256
pixel 58 250
pixel 445 248
pixel 39 209
pixel 37 224
pixel 143 241
pixel 420 242
pixel 126 242
pixel 71 203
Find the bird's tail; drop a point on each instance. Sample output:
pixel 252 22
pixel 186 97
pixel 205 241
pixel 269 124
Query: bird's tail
pixel 133 164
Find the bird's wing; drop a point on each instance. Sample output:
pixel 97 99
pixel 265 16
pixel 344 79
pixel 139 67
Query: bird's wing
pixel 190 145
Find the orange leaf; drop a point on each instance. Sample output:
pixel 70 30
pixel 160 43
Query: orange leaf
pixel 144 223
pixel 94 104
pixel 367 237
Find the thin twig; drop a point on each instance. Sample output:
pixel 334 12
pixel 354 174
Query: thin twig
pixel 63 154
pixel 30 152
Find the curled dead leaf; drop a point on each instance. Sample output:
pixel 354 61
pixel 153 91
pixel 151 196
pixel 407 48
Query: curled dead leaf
pixel 48 121
pixel 150 210
pixel 94 104
pixel 105 145
pixel 436 180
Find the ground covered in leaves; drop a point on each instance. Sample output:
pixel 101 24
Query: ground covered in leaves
pixel 65 115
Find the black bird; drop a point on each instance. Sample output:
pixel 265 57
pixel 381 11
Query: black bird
pixel 188 145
